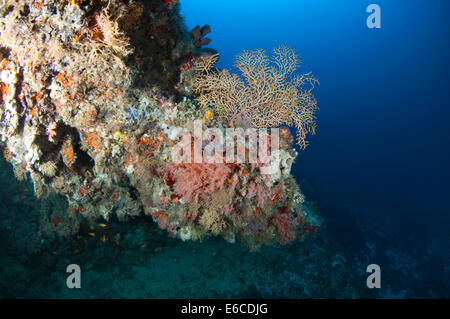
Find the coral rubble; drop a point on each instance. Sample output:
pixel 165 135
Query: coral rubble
pixel 95 96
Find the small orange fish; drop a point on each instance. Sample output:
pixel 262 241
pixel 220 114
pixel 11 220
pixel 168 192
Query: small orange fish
pixel 102 225
pixel 157 249
pixel 144 245
pixel 91 234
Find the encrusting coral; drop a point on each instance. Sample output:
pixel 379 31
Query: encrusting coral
pixel 95 96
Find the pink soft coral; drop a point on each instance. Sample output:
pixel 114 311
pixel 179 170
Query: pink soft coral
pixel 258 191
pixel 285 226
pixel 193 180
pixel 50 131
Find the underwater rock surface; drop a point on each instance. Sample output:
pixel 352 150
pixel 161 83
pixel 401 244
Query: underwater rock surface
pixel 96 95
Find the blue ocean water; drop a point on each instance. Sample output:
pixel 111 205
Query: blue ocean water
pixel 377 169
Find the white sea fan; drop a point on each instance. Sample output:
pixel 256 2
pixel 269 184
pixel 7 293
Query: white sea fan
pixel 48 168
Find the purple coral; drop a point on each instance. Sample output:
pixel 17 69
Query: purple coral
pixel 198 35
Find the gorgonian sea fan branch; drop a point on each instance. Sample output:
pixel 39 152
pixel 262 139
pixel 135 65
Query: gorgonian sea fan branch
pixel 266 94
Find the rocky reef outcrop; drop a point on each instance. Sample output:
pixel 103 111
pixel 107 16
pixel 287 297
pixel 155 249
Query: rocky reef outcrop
pixel 96 95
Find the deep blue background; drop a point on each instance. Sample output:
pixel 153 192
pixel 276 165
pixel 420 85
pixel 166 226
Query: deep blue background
pixel 384 135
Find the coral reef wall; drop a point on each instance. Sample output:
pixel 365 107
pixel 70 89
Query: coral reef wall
pixel 94 97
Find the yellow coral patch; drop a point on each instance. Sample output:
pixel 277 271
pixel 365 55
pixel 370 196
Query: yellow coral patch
pixel 120 136
pixel 4 64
